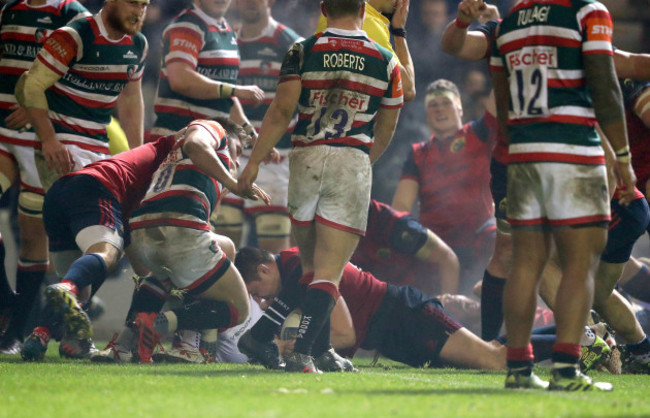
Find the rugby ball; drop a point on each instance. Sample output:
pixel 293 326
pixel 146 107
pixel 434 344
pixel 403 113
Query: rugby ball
pixel 291 324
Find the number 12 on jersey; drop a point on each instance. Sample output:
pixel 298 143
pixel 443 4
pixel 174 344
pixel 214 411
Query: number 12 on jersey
pixel 529 92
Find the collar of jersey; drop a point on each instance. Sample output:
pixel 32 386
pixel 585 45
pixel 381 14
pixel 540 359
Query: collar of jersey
pixel 219 23
pixel 345 32
pixel 102 29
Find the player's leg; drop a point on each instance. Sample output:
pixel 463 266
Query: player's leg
pixel 464 349
pixel 435 250
pixel 635 280
pixel 229 219
pixel 8 175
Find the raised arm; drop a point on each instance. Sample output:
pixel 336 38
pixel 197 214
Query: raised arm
pixel 458 41
pixel 398 23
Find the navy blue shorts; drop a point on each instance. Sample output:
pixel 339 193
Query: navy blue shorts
pixel 77 202
pixel 627 225
pixel 410 327
pixel 407 235
pixel 499 187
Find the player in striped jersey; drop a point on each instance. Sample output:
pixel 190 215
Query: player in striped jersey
pixel 24 26
pixel 199 70
pixel 348 92
pixel 263 42
pixel 379 27
pixel 176 211
pixel 554 79
pixel 82 72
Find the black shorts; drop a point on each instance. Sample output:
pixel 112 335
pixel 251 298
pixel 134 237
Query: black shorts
pixel 627 225
pixel 498 187
pixel 74 203
pixel 410 327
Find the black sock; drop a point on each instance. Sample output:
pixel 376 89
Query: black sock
pixel 269 324
pixel 317 306
pixel 322 342
pixel 639 285
pixel 29 277
pixel 206 314
pixel 87 270
pixel 149 296
pixel 491 306
pixel 7 295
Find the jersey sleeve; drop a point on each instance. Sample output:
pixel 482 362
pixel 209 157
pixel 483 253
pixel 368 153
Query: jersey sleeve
pixel 138 72
pixel 61 50
pixel 496 61
pixel 394 96
pixel 291 66
pixel 183 42
pixel 597 29
pixel 487 30
pixel 485 128
pixel 410 170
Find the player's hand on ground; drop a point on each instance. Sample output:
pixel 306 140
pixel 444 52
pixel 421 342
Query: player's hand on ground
pixel 57 156
pixel 273 157
pixel 626 181
pixel 470 10
pixel 17 120
pixel 401 14
pixel 250 94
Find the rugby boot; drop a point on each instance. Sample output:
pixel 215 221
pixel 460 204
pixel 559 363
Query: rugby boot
pixel 113 353
pixel 266 353
pixel 181 353
pixel 524 379
pixel 148 338
pixel 10 345
pixel 331 361
pixel 579 382
pixel 630 365
pixel 594 355
pixel 74 348
pixel 61 299
pixel 300 363
pixel 35 345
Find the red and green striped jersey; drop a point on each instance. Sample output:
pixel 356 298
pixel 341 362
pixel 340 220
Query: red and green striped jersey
pixel 23 30
pixel 541 45
pixel 261 59
pixel 345 79
pixel 180 194
pixel 207 45
pixel 94 69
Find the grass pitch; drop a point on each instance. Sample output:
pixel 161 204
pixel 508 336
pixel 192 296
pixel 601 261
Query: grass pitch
pixel 63 388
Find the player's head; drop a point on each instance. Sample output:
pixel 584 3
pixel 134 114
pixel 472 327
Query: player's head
pixel 259 271
pixel 444 108
pixel 213 8
pixel 236 138
pixel 125 16
pixel 253 11
pixel 336 9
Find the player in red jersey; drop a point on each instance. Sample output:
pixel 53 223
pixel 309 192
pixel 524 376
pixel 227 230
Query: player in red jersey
pixel 448 174
pixel 399 250
pixel 86 212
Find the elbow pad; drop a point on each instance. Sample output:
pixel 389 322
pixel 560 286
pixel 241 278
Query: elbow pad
pixel 30 89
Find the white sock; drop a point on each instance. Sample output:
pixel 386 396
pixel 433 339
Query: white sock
pixel 587 338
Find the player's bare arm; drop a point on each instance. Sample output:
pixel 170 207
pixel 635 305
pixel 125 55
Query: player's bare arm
pixel 405 195
pixel 184 79
pixel 30 93
pixel 406 68
pixel 631 65
pixel 200 148
pixel 130 111
pixel 608 106
pixel 457 40
pixel 274 125
pixel 384 129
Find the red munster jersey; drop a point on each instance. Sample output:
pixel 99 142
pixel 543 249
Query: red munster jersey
pixel 453 175
pixel 363 293
pixel 637 131
pixel 127 175
pixel 376 254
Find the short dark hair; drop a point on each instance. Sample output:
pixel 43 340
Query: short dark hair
pixel 247 260
pixel 442 84
pixel 340 8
